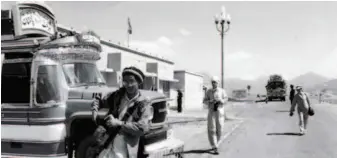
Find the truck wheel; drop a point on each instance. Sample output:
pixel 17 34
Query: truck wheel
pixel 87 148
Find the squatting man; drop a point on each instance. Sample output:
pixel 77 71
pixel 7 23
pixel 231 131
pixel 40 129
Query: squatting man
pixel 215 100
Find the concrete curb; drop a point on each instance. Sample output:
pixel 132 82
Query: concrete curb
pixel 199 119
pixel 187 121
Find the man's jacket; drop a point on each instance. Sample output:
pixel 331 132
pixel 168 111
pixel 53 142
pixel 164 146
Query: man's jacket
pixel 137 124
pixel 292 94
pixel 302 101
pixel 218 94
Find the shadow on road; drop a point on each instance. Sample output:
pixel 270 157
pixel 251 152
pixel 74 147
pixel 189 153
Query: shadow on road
pixel 197 151
pixel 282 111
pixel 284 134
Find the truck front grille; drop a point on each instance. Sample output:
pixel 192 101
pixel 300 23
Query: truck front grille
pixel 160 112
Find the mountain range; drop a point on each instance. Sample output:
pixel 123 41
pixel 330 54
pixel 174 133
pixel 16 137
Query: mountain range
pixel 310 81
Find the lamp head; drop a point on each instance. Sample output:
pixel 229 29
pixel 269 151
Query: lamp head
pixel 216 19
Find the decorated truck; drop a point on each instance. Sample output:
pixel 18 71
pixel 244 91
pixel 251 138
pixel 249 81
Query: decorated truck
pixel 276 88
pixel 48 83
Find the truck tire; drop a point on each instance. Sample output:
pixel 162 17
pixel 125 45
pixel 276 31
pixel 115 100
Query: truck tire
pixel 87 148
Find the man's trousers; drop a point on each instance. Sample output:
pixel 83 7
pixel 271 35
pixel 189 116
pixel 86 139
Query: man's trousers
pixel 215 123
pixel 303 120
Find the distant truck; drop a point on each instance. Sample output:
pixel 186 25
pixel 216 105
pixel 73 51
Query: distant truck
pixel 276 88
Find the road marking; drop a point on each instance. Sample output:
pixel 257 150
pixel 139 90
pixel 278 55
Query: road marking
pixel 230 132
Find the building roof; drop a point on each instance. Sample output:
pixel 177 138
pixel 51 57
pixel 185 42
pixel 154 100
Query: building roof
pixel 110 44
pixel 188 72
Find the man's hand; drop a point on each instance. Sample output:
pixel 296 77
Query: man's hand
pixel 212 101
pixel 291 114
pixel 94 108
pixel 95 104
pixel 112 122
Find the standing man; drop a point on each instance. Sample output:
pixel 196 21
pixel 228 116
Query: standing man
pixel 301 99
pixel 292 93
pixel 320 97
pixel 215 99
pixel 179 99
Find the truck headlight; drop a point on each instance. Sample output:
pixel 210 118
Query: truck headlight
pixel 151 113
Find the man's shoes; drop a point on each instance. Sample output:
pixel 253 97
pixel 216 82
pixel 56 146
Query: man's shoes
pixel 216 152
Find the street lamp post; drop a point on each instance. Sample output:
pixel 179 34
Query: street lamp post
pixel 222 23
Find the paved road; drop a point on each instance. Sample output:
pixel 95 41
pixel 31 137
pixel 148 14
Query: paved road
pixel 269 132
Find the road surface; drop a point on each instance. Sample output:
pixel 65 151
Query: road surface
pixel 269 132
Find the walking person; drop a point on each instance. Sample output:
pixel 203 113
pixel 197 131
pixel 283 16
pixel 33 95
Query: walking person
pixel 292 93
pixel 301 99
pixel 179 100
pixel 215 99
pixel 132 124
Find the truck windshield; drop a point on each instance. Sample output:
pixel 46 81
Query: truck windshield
pixel 275 85
pixel 82 74
pixel 48 85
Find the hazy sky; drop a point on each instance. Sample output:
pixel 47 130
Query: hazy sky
pixel 289 38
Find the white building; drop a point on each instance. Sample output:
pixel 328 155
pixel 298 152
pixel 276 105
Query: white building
pixel 114 58
pixel 191 85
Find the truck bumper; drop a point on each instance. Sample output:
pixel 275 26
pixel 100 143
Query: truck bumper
pixel 170 148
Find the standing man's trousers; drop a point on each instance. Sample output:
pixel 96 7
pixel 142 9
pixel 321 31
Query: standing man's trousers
pixel 291 100
pixel 215 123
pixel 303 120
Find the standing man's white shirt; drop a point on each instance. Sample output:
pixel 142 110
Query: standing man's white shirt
pixel 215 94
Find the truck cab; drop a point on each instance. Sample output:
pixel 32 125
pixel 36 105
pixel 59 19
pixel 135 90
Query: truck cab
pixel 48 83
pixel 276 88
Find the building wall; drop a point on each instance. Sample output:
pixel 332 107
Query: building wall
pixel 173 96
pixel 129 59
pixel 180 85
pixel 193 92
pixel 165 71
pixel 191 86
pixel 181 77
pixel 117 58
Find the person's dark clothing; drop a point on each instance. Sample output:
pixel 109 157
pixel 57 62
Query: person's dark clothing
pixel 180 96
pixel 292 94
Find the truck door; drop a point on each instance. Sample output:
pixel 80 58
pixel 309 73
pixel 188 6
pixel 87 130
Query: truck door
pixel 46 94
pixel 15 100
pixel 15 88
pixel 46 115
